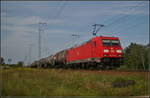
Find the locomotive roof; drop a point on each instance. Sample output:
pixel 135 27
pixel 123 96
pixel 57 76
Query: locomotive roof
pixel 106 37
pixel 83 40
pixel 86 39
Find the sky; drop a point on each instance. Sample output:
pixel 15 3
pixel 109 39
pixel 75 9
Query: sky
pixel 128 20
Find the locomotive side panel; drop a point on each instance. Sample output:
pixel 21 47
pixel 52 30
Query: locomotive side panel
pixel 85 50
pixel 82 53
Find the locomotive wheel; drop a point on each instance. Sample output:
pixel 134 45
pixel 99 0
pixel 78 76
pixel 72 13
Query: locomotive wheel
pixel 73 66
pixel 99 67
pixel 82 66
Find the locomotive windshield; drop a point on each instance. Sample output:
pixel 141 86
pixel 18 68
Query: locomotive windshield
pixel 115 42
pixel 108 42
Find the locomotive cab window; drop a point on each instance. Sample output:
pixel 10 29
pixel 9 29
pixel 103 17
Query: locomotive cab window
pixel 115 42
pixel 108 42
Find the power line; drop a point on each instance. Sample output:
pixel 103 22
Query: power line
pixel 128 28
pixel 94 31
pixel 60 11
pixel 115 21
pixel 132 9
pixel 127 23
pixel 69 44
pixel 71 4
pixel 122 16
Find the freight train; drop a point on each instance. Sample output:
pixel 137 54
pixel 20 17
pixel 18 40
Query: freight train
pixel 98 52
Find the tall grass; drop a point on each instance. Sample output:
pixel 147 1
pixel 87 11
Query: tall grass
pixel 61 82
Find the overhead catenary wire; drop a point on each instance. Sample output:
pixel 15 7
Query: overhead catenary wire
pixel 114 17
pixel 116 21
pixel 41 30
pixel 72 43
pixel 113 21
pixel 122 15
pixel 75 3
pixel 131 26
pixel 67 45
pixel 127 24
pixel 57 15
pixel 59 12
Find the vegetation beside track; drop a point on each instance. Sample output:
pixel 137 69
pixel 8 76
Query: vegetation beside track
pixel 62 82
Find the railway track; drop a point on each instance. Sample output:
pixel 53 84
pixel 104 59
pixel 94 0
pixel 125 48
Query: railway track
pixel 126 70
pixel 97 69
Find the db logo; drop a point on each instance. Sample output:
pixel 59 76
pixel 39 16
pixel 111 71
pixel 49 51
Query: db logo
pixel 112 51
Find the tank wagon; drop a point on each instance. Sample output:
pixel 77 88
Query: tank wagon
pixel 98 52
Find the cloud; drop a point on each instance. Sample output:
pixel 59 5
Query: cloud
pixel 91 13
pixel 130 4
pixel 31 20
pixel 15 45
pixel 128 12
pixel 17 35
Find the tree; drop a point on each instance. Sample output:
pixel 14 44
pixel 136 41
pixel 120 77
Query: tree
pixel 20 64
pixel 136 56
pixel 2 61
pixel 147 55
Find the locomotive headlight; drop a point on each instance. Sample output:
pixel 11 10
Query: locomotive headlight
pixel 106 50
pixel 118 51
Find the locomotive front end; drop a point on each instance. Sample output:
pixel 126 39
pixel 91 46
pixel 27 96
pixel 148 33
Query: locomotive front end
pixel 112 51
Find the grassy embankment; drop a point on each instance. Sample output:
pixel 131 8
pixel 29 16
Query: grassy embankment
pixel 61 82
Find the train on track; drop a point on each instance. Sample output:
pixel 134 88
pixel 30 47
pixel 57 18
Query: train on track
pixel 98 52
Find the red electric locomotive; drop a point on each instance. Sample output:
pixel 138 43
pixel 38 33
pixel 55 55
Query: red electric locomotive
pixel 98 52
pixel 102 51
